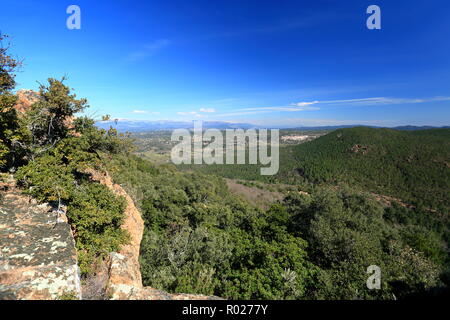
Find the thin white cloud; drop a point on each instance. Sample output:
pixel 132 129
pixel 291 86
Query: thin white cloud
pixel 197 113
pixel 187 113
pixel 376 101
pixel 292 108
pixel 270 27
pixel 307 122
pixel 207 110
pixel 305 104
pixel 259 110
pixel 144 112
pixel 312 105
pixel 157 45
pixel 190 113
pixel 149 49
pixel 241 113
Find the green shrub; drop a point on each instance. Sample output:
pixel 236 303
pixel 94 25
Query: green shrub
pixel 96 216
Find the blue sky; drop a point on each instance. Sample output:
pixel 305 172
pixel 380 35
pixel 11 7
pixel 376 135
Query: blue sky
pixel 271 63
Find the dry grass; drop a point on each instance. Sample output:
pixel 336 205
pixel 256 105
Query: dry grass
pixel 257 196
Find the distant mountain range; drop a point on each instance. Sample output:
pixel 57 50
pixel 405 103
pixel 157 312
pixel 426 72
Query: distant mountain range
pixel 146 125
pixel 142 125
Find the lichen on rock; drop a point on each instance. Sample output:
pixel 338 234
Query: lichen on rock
pixel 37 252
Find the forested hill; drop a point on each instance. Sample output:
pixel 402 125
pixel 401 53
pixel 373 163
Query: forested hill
pixel 411 165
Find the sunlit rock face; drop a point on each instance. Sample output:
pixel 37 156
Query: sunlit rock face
pixel 25 98
pixel 37 250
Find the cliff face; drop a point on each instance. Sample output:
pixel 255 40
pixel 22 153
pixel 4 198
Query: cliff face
pixel 124 272
pixel 124 281
pixel 37 252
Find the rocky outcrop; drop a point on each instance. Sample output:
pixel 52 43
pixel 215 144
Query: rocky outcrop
pixel 37 251
pixel 357 148
pixel 125 281
pixel 25 98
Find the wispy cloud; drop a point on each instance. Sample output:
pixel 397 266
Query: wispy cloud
pixel 158 44
pixel 144 112
pixel 241 113
pixel 149 49
pixel 186 113
pixel 207 110
pixel 307 122
pixel 307 20
pixel 304 106
pixel 375 101
pixel 294 107
pixel 200 113
pixel 314 105
pixel 190 113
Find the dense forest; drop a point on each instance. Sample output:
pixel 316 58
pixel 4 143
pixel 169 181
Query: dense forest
pixel 413 166
pixel 410 165
pixel 200 238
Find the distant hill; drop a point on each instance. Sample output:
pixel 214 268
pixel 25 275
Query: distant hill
pixel 141 126
pixel 411 128
pixel 413 165
pixel 408 127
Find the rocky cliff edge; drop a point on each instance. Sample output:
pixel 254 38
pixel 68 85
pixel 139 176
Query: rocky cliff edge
pixel 38 260
pixel 124 280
